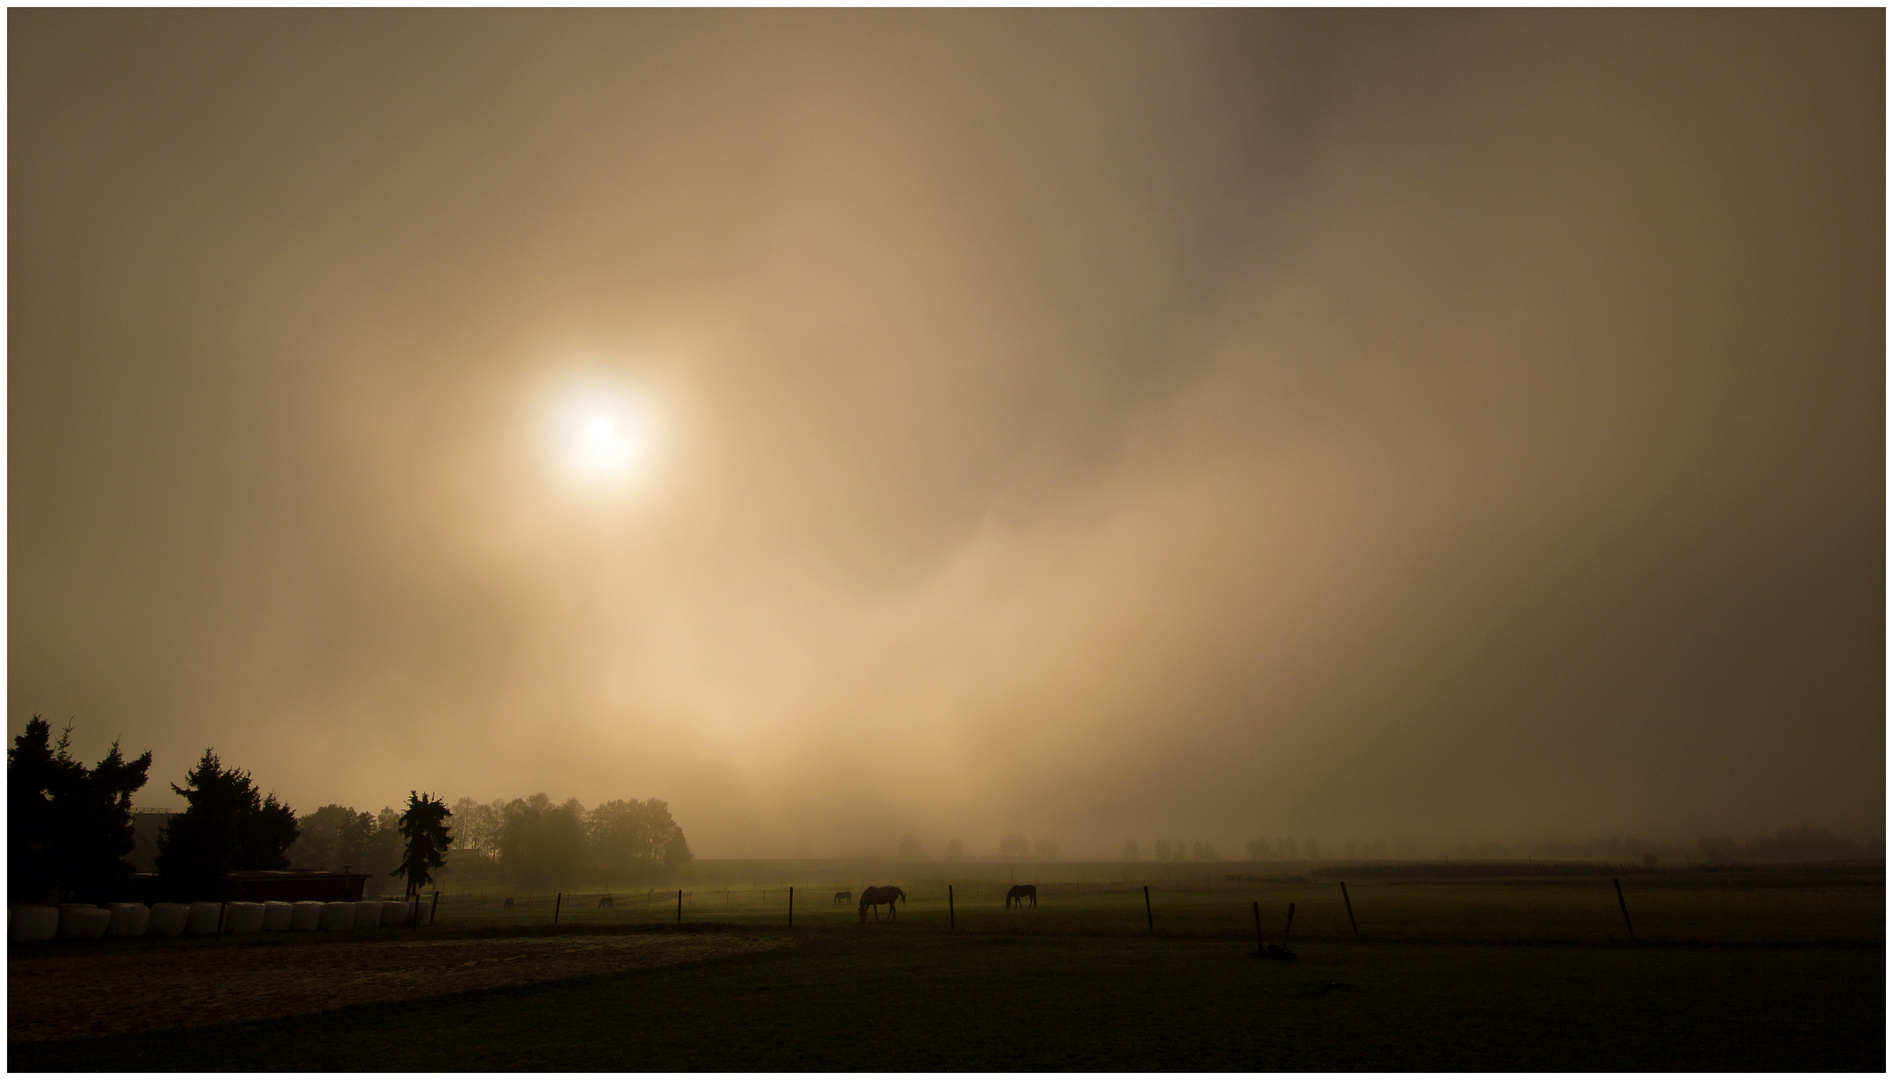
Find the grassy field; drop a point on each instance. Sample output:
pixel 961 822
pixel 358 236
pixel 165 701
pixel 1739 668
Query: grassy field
pixel 1728 908
pixel 1777 971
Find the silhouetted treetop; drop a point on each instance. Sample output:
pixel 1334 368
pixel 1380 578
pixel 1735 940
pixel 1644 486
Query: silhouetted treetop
pixel 68 827
pixel 227 826
pixel 424 827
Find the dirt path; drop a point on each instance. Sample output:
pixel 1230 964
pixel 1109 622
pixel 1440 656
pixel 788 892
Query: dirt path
pixel 62 997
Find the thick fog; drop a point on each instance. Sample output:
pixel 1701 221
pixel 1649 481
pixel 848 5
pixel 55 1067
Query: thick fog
pixel 1099 425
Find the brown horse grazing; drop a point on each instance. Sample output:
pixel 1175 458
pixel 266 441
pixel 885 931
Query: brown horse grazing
pixel 1022 893
pixel 605 901
pixel 841 896
pixel 875 895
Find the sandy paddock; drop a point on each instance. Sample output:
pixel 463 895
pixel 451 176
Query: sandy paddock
pixel 111 993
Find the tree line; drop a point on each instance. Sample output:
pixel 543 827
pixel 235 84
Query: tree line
pixel 529 843
pixel 69 826
pixel 69 829
pixel 534 843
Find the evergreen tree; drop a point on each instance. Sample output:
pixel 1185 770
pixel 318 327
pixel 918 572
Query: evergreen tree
pixel 424 828
pixel 69 828
pixel 227 826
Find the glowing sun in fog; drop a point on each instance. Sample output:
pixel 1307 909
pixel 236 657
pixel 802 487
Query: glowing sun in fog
pixel 602 435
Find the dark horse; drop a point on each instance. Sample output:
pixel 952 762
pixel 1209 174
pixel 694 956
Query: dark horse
pixel 1022 893
pixel 605 901
pixel 875 895
pixel 841 896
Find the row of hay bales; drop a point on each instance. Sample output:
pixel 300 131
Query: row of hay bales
pixel 35 922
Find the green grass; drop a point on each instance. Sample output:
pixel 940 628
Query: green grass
pixel 1756 908
pixel 1526 975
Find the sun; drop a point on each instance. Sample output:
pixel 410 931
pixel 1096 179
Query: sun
pixel 602 435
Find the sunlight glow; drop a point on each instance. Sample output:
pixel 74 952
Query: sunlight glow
pixel 602 435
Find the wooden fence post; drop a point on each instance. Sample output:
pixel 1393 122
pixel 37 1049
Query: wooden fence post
pixel 434 911
pixel 1626 908
pixel 1148 917
pixel 1350 909
pixel 1290 923
pixel 557 901
pixel 949 908
pixel 680 907
pixel 791 907
pixel 1260 947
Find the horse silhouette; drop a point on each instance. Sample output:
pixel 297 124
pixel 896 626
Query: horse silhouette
pixel 1022 893
pixel 875 895
pixel 605 901
pixel 843 896
pixel 509 903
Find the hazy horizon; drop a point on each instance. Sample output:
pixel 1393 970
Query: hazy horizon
pixel 846 424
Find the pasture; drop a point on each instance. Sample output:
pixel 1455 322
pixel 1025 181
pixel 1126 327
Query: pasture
pixel 1741 970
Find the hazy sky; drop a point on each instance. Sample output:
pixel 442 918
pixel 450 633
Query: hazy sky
pixel 841 424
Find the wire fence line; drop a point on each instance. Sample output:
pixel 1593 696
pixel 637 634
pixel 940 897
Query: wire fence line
pixel 1584 909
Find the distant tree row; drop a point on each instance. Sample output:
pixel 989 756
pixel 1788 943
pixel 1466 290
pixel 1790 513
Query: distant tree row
pixel 1260 850
pixel 1198 850
pixel 911 848
pixel 1788 845
pixel 382 845
pixel 535 844
pixel 336 837
pixel 1013 845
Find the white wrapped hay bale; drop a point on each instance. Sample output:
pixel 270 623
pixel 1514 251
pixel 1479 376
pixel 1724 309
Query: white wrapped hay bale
pixel 276 915
pixel 32 922
pixel 242 917
pixel 395 912
pixel 338 915
pixel 83 921
pixel 367 914
pixel 169 919
pixel 204 917
pixel 306 915
pixel 129 920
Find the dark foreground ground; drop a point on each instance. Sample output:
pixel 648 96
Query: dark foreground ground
pixel 899 998
pixel 1777 971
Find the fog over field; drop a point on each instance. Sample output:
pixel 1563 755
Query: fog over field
pixel 849 424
